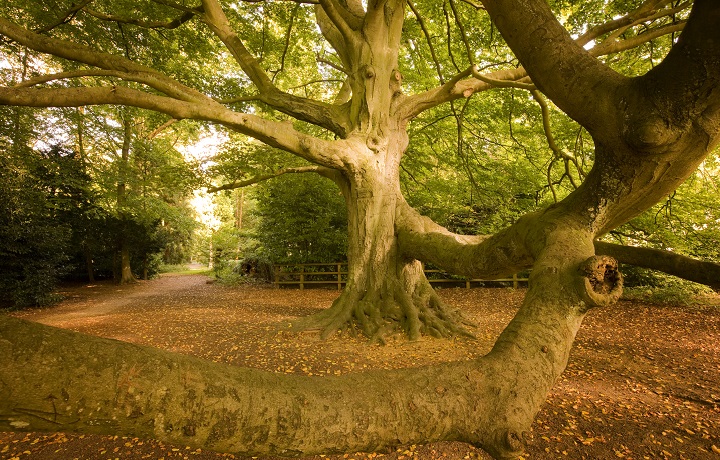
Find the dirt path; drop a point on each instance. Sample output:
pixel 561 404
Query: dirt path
pixel 97 300
pixel 643 381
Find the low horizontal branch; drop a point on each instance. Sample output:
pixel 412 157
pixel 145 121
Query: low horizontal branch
pixel 472 256
pixel 688 268
pixel 113 387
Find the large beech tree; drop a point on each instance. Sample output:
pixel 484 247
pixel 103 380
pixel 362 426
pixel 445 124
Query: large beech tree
pixel 650 133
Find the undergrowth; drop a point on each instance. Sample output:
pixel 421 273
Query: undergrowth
pixel 675 292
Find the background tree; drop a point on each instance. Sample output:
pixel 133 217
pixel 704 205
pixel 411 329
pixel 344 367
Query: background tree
pixel 302 220
pixel 287 217
pixel 144 185
pixel 61 166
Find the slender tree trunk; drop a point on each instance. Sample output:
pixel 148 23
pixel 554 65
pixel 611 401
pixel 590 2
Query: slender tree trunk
pixel 126 275
pixel 89 264
pixel 239 205
pixel 115 271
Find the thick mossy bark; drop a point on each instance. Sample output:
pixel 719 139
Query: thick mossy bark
pixel 386 292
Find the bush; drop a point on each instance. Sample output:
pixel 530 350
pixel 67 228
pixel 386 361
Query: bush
pixel 659 288
pixel 247 271
pixel 256 267
pixel 33 244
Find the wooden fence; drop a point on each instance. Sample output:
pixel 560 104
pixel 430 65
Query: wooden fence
pixel 336 274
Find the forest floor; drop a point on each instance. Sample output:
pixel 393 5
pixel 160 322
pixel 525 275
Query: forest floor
pixel 643 381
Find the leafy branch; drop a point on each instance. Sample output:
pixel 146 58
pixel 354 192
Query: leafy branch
pixel 172 24
pixel 651 10
pixel 263 177
pixel 318 113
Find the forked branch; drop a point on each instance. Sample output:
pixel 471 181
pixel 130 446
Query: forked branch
pixel 649 11
pixel 321 114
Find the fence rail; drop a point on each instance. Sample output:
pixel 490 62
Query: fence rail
pixel 316 274
pixel 302 277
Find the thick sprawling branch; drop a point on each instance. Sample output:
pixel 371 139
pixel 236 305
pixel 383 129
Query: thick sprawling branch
pixel 112 387
pixel 86 55
pixel 686 85
pixel 459 86
pixel 476 256
pixel 325 115
pixel 276 134
pixel 560 67
pixel 698 271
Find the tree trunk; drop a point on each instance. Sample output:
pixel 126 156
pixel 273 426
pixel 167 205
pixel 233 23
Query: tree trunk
pixel 115 266
pixel 126 275
pixel 386 292
pixel 89 265
pixel 239 204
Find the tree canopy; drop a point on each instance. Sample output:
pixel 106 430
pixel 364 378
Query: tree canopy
pixel 358 90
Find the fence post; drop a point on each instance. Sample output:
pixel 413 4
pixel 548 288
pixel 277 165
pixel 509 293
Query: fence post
pixel 515 281
pixel 467 284
pixel 339 277
pixel 277 277
pixel 302 279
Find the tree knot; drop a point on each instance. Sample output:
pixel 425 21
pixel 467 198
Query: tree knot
pixel 600 282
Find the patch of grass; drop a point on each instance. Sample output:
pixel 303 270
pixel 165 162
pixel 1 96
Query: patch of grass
pixel 675 293
pixel 185 270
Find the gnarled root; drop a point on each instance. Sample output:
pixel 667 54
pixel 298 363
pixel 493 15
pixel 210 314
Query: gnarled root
pixel 388 309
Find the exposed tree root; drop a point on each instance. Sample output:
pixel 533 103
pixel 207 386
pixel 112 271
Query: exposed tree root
pixel 387 310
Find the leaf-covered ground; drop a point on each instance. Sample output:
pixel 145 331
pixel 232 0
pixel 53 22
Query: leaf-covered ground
pixel 643 381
